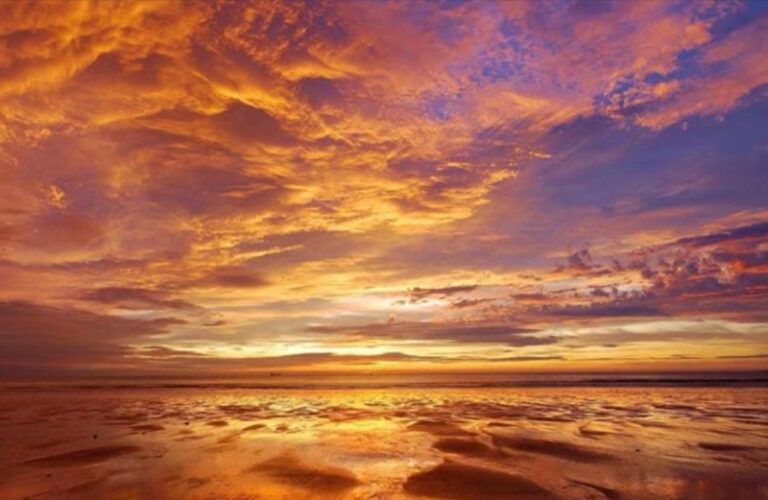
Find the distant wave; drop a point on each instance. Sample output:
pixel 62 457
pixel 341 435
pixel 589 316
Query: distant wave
pixel 759 379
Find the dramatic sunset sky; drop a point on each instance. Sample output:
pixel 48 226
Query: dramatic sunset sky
pixel 225 187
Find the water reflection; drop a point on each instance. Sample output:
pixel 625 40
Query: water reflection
pixel 395 443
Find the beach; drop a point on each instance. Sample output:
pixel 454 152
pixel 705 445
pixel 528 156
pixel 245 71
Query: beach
pixel 282 440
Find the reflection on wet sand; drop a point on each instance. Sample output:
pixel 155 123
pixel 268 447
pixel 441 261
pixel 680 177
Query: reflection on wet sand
pixel 588 443
pixel 291 471
pixel 83 457
pixel 558 449
pixel 456 480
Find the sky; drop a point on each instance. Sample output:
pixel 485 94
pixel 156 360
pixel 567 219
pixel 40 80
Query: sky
pixel 225 188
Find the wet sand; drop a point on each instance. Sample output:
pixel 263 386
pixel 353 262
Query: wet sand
pixel 479 443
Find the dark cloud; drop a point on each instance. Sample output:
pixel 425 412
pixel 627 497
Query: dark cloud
pixel 174 361
pixel 320 91
pixel 745 356
pixel 469 334
pixel 464 303
pixel 418 293
pixel 43 339
pixel 199 187
pixel 600 292
pixel 606 310
pixel 531 297
pixel 581 263
pixel 759 230
pixel 580 260
pixel 56 230
pixel 716 274
pixel 513 359
pixel 9 232
pixel 695 334
pixel 232 277
pixel 247 123
pixel 158 351
pixel 134 298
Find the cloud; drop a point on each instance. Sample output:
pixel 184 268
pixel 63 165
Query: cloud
pixel 162 352
pixel 469 334
pixel 580 260
pixel 460 304
pixel 730 71
pixel 418 293
pixel 687 333
pixel 745 356
pixel 759 230
pixel 134 298
pixel 263 166
pixel 38 339
pixel 713 274
pixel 232 276
pixel 62 231
pixel 514 359
pixel 612 310
pixel 162 360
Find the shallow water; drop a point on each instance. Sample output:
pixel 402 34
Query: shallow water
pixel 398 442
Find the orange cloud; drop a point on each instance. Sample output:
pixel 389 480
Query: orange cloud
pixel 268 166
